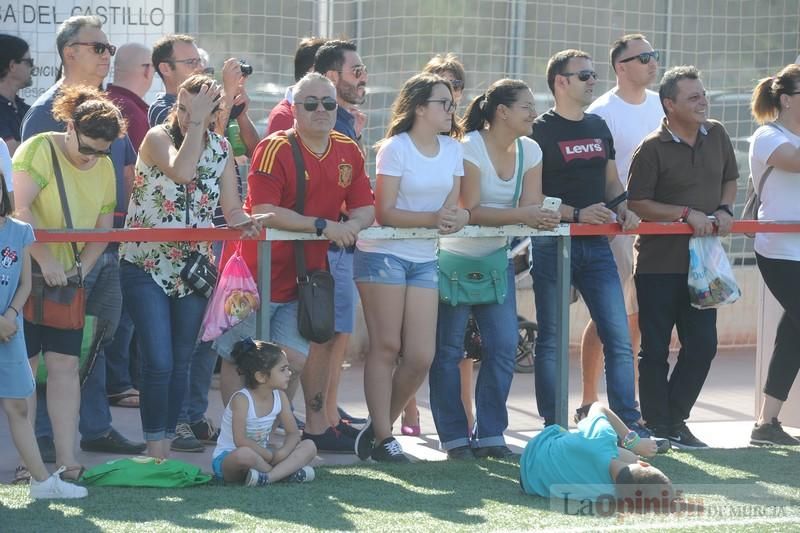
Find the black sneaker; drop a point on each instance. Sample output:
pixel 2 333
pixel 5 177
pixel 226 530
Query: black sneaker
pixel 350 419
pixel 460 453
pixel 365 440
pixel 497 452
pixel 772 433
pixel 185 441
pixel 205 431
pixel 389 451
pixel 47 449
pixel 347 429
pixel 332 441
pixel 114 442
pixel 682 438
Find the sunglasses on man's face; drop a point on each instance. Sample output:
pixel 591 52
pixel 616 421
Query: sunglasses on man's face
pixel 644 58
pixel 583 75
pixel 311 103
pixel 28 60
pixel 98 47
pixel 88 150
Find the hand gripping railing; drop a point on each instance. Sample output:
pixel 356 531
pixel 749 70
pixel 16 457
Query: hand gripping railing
pixel 563 233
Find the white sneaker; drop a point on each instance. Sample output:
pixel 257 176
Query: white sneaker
pixel 256 479
pixel 55 488
pixel 303 475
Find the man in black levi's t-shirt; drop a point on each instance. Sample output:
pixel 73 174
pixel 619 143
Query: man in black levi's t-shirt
pixel 578 167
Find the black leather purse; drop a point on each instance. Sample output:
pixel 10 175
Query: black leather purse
pixel 315 311
pixel 198 273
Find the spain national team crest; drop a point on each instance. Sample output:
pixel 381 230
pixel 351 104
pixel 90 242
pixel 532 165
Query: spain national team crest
pixel 345 175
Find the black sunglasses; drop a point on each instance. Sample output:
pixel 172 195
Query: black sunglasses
pixel 311 103
pixel 644 57
pixel 88 150
pixel 447 104
pixel 28 60
pixel 583 75
pixel 457 85
pixel 98 47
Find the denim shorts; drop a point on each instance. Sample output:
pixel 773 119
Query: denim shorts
pixel 387 269
pixel 340 262
pixel 216 465
pixel 282 328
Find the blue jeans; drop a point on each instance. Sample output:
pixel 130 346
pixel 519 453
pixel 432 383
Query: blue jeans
pixel 201 370
pixel 498 328
pixel 105 302
pixel 594 274
pixel 167 329
pixel 118 357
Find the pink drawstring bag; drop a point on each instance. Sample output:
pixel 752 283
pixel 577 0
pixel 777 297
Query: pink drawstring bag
pixel 234 298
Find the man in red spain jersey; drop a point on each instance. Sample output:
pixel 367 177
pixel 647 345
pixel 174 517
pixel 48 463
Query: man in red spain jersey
pixel 334 175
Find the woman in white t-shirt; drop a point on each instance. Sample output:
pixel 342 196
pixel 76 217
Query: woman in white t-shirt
pixel 419 173
pixel 496 174
pixel 776 146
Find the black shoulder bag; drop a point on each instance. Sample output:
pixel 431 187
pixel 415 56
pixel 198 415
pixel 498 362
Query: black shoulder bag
pixel 315 311
pixel 198 273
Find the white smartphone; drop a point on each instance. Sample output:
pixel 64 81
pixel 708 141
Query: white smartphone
pixel 551 204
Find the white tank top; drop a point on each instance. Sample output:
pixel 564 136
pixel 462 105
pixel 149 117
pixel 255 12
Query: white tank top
pixel 257 428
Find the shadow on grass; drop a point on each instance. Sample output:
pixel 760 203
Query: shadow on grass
pixel 423 496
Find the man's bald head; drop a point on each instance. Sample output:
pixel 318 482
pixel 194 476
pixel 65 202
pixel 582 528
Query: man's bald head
pixel 133 68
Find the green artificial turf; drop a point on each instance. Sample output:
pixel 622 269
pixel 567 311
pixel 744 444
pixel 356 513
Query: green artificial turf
pixel 436 496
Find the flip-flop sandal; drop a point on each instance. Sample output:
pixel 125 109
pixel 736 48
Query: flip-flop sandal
pixel 129 398
pixel 582 412
pixel 80 469
pixel 21 475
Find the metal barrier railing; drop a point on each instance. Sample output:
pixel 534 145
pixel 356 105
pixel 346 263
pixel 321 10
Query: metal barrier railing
pixel 563 233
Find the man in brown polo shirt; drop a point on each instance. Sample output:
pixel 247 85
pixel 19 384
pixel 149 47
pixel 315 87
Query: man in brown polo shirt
pixel 685 170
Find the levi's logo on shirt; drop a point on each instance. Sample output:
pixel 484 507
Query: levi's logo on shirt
pixel 582 149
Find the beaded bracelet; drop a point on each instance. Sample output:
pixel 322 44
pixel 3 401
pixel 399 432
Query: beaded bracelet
pixel 631 440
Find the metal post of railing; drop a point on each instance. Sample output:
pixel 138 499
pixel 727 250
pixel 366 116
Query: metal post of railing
pixel 264 288
pixel 563 279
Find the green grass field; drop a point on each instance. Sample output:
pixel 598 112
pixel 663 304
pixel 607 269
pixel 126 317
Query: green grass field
pixel 436 496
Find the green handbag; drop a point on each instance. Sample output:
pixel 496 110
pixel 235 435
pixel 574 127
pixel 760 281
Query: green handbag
pixel 467 280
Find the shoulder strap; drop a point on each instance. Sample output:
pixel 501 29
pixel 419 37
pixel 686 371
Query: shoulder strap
pixel 520 174
pixel 299 202
pixel 62 194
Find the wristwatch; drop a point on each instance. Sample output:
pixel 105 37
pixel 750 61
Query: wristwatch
pixel 726 208
pixel 320 224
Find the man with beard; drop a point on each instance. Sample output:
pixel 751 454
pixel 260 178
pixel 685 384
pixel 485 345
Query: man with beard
pixel 16 67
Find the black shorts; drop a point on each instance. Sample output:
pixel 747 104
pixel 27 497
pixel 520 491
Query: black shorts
pixel 41 339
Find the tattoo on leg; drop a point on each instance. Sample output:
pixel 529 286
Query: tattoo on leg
pixel 316 402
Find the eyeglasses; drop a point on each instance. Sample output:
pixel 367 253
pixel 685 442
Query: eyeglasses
pixel 458 85
pixel 193 62
pixel 88 150
pixel 583 75
pixel 311 103
pixel 644 58
pixel 98 47
pixel 357 70
pixel 447 105
pixel 28 60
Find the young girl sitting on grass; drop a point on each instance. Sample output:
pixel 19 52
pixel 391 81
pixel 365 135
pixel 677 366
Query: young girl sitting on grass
pixel 242 453
pixel 16 377
pixel 588 465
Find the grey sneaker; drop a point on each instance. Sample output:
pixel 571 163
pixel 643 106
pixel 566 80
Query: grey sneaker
pixel 772 433
pixel 256 479
pixel 56 488
pixel 304 475
pixel 185 441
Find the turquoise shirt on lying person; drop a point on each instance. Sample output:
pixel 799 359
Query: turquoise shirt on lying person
pixel 579 461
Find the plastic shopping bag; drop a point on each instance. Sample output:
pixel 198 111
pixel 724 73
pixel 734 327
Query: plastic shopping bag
pixel 711 281
pixel 234 298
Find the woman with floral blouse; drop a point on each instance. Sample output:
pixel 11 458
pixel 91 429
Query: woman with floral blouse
pixel 183 172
